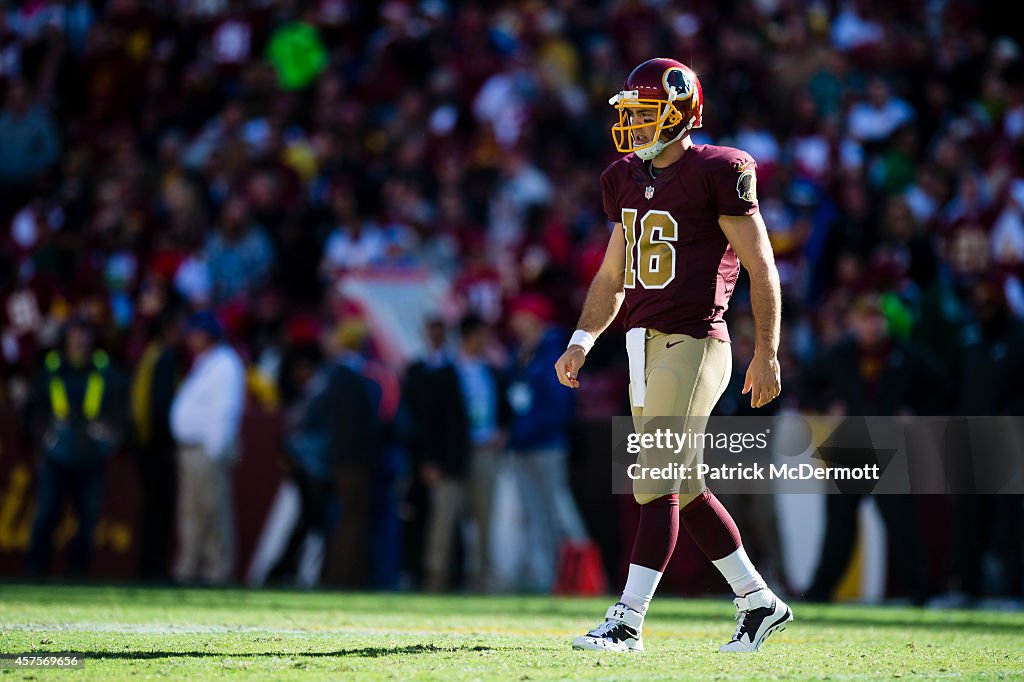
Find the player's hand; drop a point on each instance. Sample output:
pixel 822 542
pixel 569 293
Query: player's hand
pixel 568 366
pixel 763 381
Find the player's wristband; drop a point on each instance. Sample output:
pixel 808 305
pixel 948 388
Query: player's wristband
pixel 582 338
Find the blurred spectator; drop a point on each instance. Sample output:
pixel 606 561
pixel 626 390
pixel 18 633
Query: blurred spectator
pixel 870 373
pixel 479 285
pixel 926 196
pixel 852 30
pixel 985 526
pixel 866 374
pixel 78 418
pixel 154 383
pixel 522 189
pixel 503 101
pixel 28 137
pixel 206 417
pixel 539 444
pixel 431 433
pixel 1008 229
pixel 239 254
pixel 297 53
pixel 753 136
pixel 461 412
pixel 355 445
pixel 352 246
pixel 875 118
pixel 307 447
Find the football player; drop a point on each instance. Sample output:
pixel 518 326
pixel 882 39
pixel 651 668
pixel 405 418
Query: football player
pixel 685 217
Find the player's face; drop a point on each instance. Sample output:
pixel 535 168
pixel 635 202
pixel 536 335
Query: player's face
pixel 646 117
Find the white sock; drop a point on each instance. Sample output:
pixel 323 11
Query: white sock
pixel 740 573
pixel 640 586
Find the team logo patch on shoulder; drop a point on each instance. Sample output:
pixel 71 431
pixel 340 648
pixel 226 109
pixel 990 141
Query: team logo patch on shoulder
pixel 649 192
pixel 746 185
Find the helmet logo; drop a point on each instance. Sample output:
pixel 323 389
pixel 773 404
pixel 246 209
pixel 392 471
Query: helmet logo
pixel 678 84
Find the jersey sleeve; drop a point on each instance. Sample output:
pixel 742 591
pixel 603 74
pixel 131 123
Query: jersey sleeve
pixel 736 184
pixel 610 197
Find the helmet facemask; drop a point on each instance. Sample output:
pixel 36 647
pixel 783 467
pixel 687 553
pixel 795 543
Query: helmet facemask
pixel 669 124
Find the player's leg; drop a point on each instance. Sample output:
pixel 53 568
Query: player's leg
pixel 755 514
pixel 705 519
pixel 658 528
pixel 760 612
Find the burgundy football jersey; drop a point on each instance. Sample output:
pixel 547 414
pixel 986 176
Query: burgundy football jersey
pixel 680 269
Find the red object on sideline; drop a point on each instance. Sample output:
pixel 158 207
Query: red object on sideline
pixel 580 571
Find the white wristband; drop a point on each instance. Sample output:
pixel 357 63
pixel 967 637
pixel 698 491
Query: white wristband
pixel 582 338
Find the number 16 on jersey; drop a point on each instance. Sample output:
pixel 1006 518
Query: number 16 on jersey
pixel 654 261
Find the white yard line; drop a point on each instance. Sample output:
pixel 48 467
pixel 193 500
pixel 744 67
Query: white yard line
pixel 212 629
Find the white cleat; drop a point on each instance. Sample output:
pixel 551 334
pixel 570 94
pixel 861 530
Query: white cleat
pixel 620 632
pixel 759 614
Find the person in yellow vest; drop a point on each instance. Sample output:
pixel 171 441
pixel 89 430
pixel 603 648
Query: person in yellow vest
pixel 78 415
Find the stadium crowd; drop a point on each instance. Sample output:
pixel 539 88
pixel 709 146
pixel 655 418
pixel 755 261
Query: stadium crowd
pixel 244 157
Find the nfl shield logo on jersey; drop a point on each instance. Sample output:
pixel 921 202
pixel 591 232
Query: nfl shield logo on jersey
pixel 649 192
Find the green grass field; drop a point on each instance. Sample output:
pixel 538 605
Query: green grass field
pixel 136 633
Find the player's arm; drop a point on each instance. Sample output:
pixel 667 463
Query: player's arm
pixel 599 309
pixel 749 239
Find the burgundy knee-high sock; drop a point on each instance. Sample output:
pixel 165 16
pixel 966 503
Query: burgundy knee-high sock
pixel 711 526
pixel 657 533
pixel 716 534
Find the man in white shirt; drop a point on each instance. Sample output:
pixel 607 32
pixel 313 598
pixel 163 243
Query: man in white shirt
pixel 205 421
pixel 876 117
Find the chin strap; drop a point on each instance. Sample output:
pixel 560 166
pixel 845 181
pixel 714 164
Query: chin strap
pixel 658 147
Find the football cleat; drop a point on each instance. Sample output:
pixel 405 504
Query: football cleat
pixel 758 615
pixel 620 632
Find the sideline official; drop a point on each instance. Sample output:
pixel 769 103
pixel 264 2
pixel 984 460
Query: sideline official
pixel 78 417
